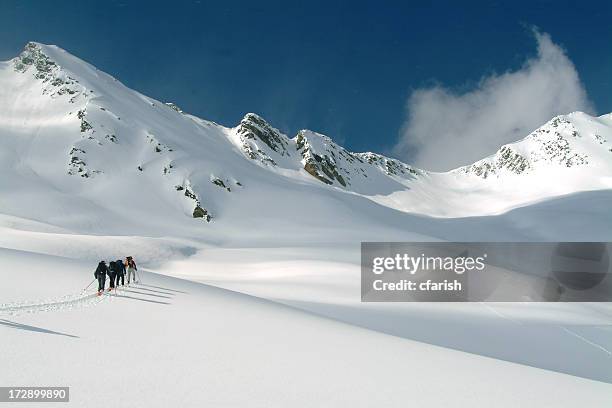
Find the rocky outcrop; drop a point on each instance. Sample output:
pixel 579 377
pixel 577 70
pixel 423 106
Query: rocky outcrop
pixel 77 165
pixel 198 211
pixel 33 56
pixel 334 165
pixel 505 159
pixel 549 144
pixel 174 107
pixel 257 136
pixel 45 69
pixel 322 158
pixel 391 167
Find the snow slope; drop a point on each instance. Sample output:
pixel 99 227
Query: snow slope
pixel 169 342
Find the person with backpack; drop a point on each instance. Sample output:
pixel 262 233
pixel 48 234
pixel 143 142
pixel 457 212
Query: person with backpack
pixel 120 272
pixel 131 268
pixel 112 273
pixel 100 275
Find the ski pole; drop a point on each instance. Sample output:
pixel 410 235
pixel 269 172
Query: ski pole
pixel 94 279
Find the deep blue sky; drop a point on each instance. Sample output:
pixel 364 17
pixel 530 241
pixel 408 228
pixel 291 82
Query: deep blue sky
pixel 340 68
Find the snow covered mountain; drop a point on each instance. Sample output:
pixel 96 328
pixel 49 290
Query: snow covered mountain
pixel 570 153
pixel 79 150
pixel 94 170
pixel 74 137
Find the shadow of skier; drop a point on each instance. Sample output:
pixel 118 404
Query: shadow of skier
pixel 159 287
pixel 142 300
pixel 152 290
pixel 146 294
pixel 20 326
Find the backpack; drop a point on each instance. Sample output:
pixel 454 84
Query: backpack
pixel 120 266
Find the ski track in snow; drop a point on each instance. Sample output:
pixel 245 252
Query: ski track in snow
pixel 67 302
pixel 565 329
pixel 587 341
pixel 499 314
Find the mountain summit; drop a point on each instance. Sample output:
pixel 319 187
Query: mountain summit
pixel 82 151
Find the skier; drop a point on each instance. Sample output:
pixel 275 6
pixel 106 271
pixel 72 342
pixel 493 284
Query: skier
pixel 120 271
pixel 131 268
pixel 100 275
pixel 112 273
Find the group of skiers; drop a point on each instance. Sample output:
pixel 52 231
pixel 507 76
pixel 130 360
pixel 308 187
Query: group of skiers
pixel 116 271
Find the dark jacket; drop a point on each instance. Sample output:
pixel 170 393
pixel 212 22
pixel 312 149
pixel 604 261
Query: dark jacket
pixel 112 269
pixel 101 271
pixel 120 267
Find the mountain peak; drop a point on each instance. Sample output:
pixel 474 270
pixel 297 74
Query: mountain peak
pixel 573 140
pixel 320 156
pixel 253 117
pixel 47 65
pixel 33 55
pixel 31 45
pixel 253 129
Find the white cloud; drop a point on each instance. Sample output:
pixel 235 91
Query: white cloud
pixel 444 130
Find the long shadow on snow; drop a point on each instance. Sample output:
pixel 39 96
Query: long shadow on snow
pixel 153 290
pixel 20 326
pixel 146 294
pixel 143 300
pixel 159 287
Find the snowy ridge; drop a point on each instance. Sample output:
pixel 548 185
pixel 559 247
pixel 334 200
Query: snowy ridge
pixel 259 140
pixel 566 140
pixel 318 155
pixel 106 133
pixel 569 154
pixel 80 135
pixel 366 173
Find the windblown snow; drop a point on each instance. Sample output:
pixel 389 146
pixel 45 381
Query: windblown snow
pixel 94 170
